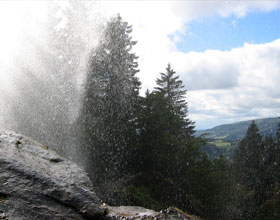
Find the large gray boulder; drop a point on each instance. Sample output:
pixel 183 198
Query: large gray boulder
pixel 36 183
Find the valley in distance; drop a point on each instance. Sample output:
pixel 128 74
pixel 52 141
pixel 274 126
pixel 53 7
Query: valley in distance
pixel 223 139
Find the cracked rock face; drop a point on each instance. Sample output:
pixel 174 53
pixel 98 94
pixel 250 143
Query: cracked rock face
pixel 35 183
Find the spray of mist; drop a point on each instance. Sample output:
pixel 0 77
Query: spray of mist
pixel 43 68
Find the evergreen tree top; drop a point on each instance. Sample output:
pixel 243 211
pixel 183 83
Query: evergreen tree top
pixel 112 60
pixel 171 87
pixel 278 132
pixel 253 131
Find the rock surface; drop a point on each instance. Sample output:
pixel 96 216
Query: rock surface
pixel 36 183
pixel 139 213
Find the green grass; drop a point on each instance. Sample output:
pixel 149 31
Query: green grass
pixel 222 137
pixel 220 143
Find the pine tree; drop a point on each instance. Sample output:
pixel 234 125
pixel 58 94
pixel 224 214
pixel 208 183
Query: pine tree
pixel 109 102
pixel 272 159
pixel 166 141
pixel 172 87
pixel 248 157
pixel 269 190
pixel 249 169
pixel 278 133
pixel 159 129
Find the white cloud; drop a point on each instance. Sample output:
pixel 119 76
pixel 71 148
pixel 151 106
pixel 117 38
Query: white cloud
pixel 212 69
pixel 224 86
pixel 154 21
pixel 256 83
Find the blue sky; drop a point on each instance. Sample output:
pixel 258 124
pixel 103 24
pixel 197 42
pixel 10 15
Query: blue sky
pixel 221 77
pixel 226 33
pixel 227 52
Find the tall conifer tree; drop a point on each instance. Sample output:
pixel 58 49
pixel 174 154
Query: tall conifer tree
pixel 248 165
pixel 109 102
pixel 248 156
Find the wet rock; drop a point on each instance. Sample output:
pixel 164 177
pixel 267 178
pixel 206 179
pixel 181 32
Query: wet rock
pixel 36 183
pixel 130 212
pixel 139 213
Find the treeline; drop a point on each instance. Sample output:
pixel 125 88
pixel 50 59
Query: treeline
pixel 142 151
pixel 138 150
pixel 257 175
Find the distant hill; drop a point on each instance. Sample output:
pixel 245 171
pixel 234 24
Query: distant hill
pixel 236 131
pixel 223 139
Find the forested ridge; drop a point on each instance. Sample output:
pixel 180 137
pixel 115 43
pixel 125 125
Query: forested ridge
pixel 72 82
pixel 224 139
pixel 141 150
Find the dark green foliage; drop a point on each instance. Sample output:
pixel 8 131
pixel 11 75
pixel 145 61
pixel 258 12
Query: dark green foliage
pixel 256 172
pixel 162 190
pixel 172 88
pixel 109 103
pixel 247 165
pixel 248 157
pixel 163 135
pixel 167 148
pixel 159 131
pixel 142 151
pixel 140 196
pixel 270 209
pixel 216 148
